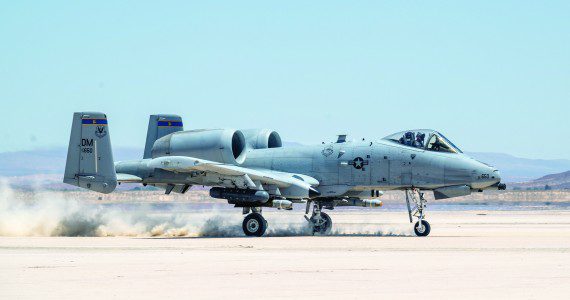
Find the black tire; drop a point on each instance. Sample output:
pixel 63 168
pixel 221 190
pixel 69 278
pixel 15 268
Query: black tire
pixel 324 228
pixel 424 230
pixel 254 225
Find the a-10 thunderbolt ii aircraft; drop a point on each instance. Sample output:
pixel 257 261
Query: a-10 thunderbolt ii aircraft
pixel 252 170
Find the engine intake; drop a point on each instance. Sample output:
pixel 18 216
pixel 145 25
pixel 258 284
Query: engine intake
pixel 220 145
pixel 262 138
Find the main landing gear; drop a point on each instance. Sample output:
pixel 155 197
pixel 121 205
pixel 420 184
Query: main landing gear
pixel 422 227
pixel 319 221
pixel 254 223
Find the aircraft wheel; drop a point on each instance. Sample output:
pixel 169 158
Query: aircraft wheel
pixel 323 225
pixel 423 229
pixel 254 225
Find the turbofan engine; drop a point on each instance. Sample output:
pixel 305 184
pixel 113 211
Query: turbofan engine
pixel 262 138
pixel 220 145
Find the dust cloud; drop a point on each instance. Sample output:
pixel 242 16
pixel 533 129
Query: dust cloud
pixel 55 214
pixel 48 213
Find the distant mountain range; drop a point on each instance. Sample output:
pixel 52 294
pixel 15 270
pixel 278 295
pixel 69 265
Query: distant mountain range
pixel 49 161
pixel 558 181
pixel 516 169
pixel 48 165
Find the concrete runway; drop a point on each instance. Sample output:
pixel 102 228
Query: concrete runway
pixel 469 255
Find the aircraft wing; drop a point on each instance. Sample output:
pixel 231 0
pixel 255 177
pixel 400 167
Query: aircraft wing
pixel 250 177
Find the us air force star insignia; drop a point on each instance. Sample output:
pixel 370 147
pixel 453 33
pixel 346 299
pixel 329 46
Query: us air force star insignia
pixel 100 131
pixel 359 163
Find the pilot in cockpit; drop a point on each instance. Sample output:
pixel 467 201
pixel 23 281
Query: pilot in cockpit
pixel 413 140
pixel 424 139
pixel 408 139
pixel 420 138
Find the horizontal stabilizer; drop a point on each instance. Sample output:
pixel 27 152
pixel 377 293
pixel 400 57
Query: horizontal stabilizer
pixel 128 178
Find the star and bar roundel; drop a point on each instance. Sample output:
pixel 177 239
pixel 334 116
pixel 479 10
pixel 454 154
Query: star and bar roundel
pixel 358 163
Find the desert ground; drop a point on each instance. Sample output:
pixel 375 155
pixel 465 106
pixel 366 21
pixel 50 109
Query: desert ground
pixel 470 254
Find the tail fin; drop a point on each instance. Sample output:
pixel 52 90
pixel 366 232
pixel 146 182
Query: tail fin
pixel 89 157
pixel 159 126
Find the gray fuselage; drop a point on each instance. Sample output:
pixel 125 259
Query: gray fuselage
pixel 348 167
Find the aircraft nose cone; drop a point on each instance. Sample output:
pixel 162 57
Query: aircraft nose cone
pixel 497 175
pixel 485 176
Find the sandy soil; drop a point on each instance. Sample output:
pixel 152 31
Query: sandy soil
pixel 470 254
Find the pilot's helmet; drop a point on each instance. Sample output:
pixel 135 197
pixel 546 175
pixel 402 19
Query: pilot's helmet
pixel 420 136
pixel 409 135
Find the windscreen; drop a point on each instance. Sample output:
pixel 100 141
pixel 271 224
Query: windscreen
pixel 424 139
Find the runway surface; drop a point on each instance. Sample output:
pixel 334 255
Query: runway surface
pixel 469 255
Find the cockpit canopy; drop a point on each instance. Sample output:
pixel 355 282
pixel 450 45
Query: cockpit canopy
pixel 425 139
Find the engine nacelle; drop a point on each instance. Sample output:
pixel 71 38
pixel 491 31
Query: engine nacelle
pixel 219 145
pixel 262 138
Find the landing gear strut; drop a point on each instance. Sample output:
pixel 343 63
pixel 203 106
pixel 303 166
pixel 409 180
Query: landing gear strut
pixel 320 222
pixel 254 224
pixel 422 227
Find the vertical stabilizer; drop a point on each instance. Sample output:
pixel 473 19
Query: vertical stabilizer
pixel 159 126
pixel 89 156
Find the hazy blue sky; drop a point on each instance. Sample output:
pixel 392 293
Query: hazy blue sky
pixel 491 75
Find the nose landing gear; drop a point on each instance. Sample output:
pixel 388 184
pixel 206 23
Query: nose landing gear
pixel 422 227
